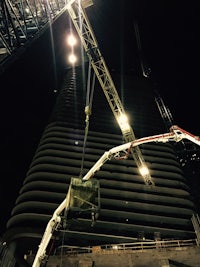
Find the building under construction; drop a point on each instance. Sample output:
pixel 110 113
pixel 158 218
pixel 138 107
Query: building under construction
pixel 117 216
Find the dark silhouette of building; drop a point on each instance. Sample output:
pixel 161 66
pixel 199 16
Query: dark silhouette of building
pixel 130 210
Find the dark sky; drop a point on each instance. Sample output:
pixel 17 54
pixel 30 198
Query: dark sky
pixel 169 32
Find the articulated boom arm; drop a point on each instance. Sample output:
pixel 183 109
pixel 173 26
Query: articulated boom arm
pixel 176 134
pixel 85 32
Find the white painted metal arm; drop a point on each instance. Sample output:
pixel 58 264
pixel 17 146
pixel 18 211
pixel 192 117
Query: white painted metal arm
pixel 54 221
pixel 176 134
pixel 81 22
pixel 182 134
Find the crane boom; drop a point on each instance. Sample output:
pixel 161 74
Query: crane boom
pixel 82 25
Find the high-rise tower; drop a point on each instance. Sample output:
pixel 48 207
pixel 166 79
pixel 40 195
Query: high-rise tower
pixel 130 210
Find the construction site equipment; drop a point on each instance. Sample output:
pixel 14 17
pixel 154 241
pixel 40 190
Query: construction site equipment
pixel 176 134
pixel 76 10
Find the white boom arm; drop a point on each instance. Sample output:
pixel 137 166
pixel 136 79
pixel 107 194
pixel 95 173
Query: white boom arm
pixel 54 221
pixel 76 10
pixel 176 134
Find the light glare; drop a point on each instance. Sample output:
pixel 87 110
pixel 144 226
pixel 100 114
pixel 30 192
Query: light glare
pixel 123 122
pixel 71 40
pixel 144 171
pixel 72 58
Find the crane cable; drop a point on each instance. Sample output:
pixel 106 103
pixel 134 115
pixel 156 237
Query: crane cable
pixel 88 109
pixel 146 70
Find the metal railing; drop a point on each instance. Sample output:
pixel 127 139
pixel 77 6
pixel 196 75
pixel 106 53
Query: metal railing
pixel 127 247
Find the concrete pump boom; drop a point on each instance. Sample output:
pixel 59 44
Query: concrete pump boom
pixel 176 134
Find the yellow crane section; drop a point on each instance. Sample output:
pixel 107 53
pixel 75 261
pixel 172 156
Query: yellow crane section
pixel 76 10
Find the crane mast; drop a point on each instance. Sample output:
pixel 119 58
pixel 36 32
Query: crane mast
pixel 76 10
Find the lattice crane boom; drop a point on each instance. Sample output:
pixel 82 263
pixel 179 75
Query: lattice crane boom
pixel 76 10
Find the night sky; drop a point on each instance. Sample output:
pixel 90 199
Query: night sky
pixel 169 32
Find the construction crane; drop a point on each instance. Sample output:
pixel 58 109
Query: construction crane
pixel 187 152
pixel 21 22
pixel 164 111
pixel 76 10
pixel 176 134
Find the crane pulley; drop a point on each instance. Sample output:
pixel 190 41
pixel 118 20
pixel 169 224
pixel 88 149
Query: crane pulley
pixel 76 10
